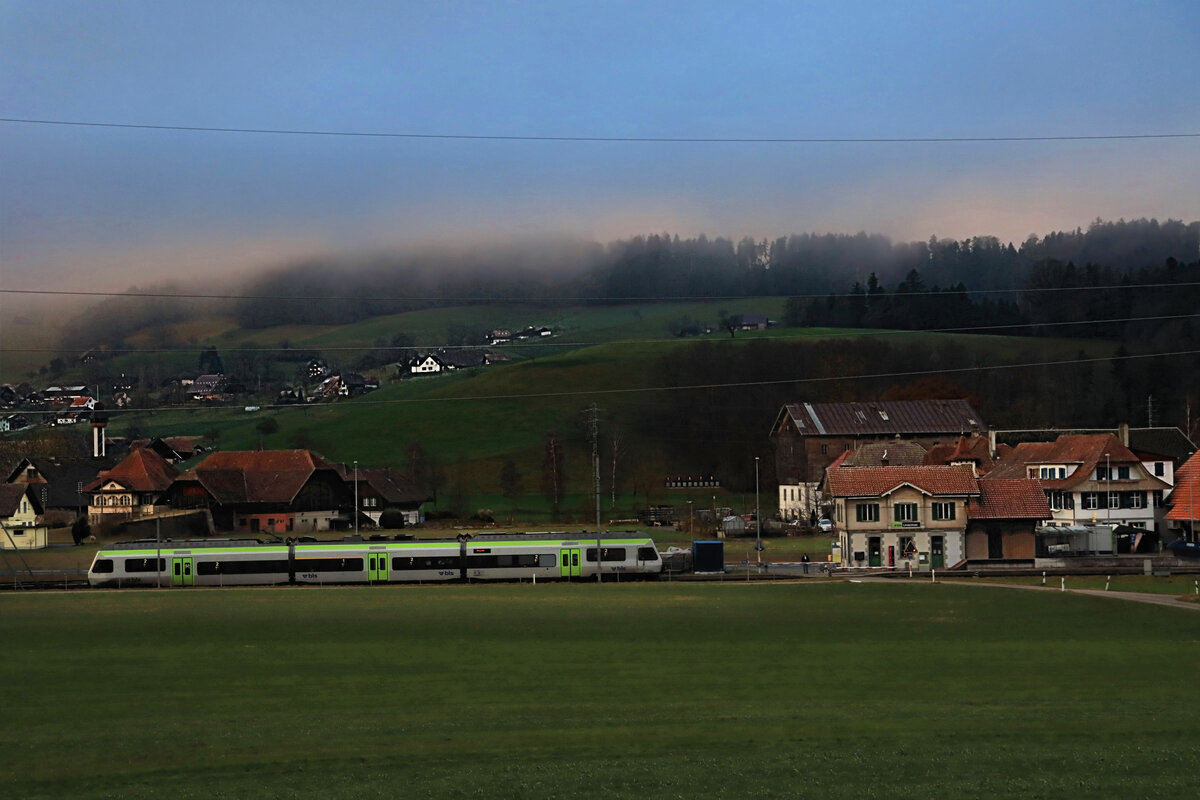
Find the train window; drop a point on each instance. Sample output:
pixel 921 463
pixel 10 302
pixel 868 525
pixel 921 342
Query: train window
pixel 566 560
pixel 607 554
pixel 103 565
pixel 546 560
pixel 242 567
pixel 329 564
pixel 425 562
pixel 647 554
pixel 144 564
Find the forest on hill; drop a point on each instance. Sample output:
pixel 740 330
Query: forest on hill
pixel 665 266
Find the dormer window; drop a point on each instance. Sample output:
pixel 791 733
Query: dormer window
pixel 883 415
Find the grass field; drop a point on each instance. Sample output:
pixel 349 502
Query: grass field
pixel 618 691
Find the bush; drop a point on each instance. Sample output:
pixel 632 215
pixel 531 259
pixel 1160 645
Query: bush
pixel 391 519
pixel 80 530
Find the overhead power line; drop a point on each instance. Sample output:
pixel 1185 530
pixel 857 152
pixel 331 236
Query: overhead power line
pixel 605 299
pixel 850 332
pixel 626 139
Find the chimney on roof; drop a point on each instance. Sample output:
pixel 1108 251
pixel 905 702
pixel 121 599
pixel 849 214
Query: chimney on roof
pixel 1123 433
pixel 992 443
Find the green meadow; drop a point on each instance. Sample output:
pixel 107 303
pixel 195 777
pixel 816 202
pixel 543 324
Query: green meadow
pixel 645 690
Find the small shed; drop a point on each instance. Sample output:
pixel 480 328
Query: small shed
pixel 733 526
pixel 708 556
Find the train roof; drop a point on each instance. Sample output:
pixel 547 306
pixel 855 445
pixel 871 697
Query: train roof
pixel 186 544
pixel 582 537
pixel 555 536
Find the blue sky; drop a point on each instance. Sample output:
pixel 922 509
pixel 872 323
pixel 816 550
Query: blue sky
pixel 128 206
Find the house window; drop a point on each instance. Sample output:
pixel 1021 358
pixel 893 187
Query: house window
pixel 1047 472
pixel 1157 496
pixel 1091 500
pixel 1122 473
pixel 824 449
pixel 1137 500
pixel 1160 468
pixel 1114 500
pixel 866 512
pixel 908 547
pixel 905 512
pixel 1103 473
pixel 943 511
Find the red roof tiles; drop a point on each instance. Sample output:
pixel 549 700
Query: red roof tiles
pixel 140 471
pixel 256 476
pixel 879 481
pixel 1086 451
pixel 1185 497
pixel 1001 498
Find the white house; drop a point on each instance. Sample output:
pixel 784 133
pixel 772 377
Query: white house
pixel 1091 479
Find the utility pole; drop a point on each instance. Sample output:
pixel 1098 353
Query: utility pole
pixel 758 548
pixel 1108 488
pixel 594 433
pixel 356 497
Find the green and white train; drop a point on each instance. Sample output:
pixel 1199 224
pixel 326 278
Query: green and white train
pixel 249 562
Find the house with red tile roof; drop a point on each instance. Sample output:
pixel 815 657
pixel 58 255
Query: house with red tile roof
pixel 1002 521
pixel 1089 479
pixel 809 436
pixel 276 491
pixel 972 449
pixel 171 448
pixel 901 517
pixel 132 488
pixel 1183 518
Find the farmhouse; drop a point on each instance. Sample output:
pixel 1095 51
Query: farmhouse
pixel 809 436
pixel 209 388
pixel 58 482
pixel 130 489
pixel 171 449
pixel 276 491
pixel 382 489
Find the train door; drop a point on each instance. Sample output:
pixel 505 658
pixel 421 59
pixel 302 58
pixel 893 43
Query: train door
pixel 874 553
pixel 569 566
pixel 937 552
pixel 377 567
pixel 182 572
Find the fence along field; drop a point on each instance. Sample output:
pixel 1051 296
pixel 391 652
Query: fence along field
pixel 647 690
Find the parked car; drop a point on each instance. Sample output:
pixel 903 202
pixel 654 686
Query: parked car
pixel 825 525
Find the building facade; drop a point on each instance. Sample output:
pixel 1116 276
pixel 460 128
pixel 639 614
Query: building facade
pixel 901 517
pixel 809 437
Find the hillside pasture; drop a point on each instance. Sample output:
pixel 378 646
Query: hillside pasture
pixel 618 691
